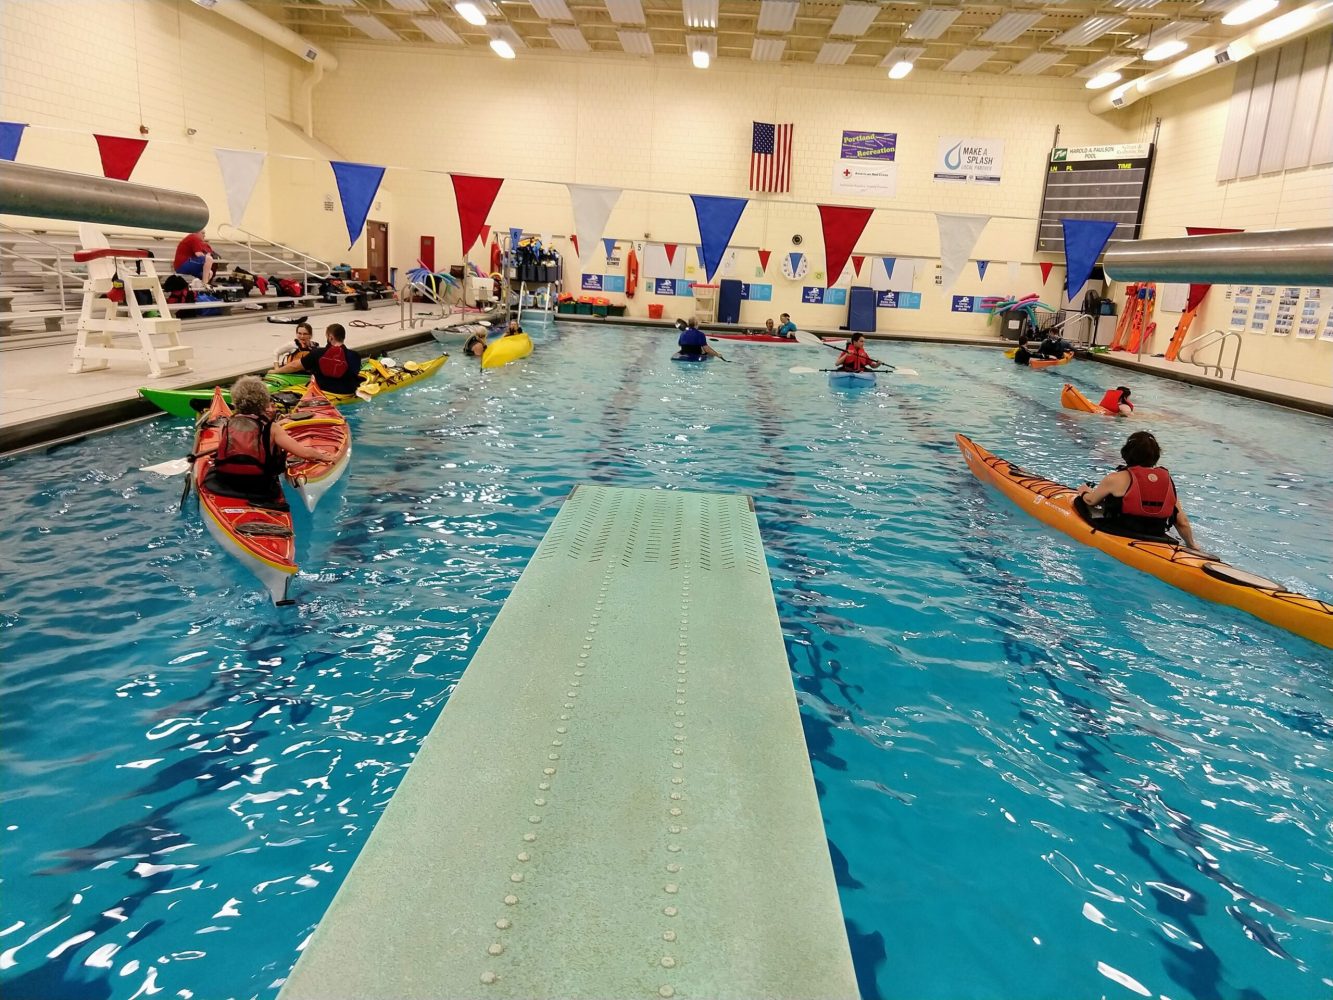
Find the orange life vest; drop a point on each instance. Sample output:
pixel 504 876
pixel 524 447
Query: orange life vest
pixel 244 448
pixel 631 274
pixel 1151 493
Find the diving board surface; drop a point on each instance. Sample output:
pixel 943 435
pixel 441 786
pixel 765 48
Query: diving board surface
pixel 616 801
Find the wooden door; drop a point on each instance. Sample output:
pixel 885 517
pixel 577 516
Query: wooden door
pixel 377 249
pixel 428 252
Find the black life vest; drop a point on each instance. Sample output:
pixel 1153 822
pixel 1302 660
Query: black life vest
pixel 245 448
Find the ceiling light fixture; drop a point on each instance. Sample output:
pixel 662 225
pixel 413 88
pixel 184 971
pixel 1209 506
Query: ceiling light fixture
pixel 700 59
pixel 1165 50
pixel 1248 11
pixel 470 12
pixel 502 48
pixel 899 70
pixel 702 48
pixel 1102 80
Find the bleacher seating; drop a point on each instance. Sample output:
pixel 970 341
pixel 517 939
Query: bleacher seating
pixel 34 314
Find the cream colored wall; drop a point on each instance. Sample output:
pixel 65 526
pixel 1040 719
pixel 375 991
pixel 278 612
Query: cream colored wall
pixel 662 130
pixel 69 68
pixel 1185 192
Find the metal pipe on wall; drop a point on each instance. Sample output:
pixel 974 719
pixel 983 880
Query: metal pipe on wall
pixel 1278 256
pixel 43 193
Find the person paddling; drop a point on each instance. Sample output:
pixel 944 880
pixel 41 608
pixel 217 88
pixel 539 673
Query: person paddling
pixel 1139 497
pixel 693 343
pixel 336 367
pixel 854 357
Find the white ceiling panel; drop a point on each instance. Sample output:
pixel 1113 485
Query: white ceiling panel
pixel 835 53
pixel 625 11
pixel 1166 33
pixel 768 49
pixel 1036 63
pixel 931 23
pixel 903 53
pixel 777 16
pixel 437 31
pixel 968 60
pixel 1093 27
pixel 636 43
pixel 854 19
pixel 699 13
pixel 372 26
pixel 552 10
pixel 413 6
pixel 508 34
pixel 569 38
pixel 1010 26
pixel 1110 64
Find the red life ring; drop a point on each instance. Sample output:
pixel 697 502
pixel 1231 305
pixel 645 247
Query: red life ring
pixel 631 274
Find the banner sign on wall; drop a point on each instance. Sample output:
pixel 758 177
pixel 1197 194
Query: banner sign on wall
pixel 613 283
pixel 969 159
pixel 898 300
pixel 813 294
pixel 866 164
pixel 960 303
pixel 592 282
pixel 757 293
pixel 671 286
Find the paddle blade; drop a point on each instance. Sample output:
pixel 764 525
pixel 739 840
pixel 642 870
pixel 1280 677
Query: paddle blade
pixel 805 337
pixel 802 370
pixel 173 468
pixel 906 371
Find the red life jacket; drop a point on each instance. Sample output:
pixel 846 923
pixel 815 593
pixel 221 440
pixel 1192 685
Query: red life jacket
pixel 333 362
pixel 1112 401
pixel 244 448
pixel 1151 493
pixel 854 358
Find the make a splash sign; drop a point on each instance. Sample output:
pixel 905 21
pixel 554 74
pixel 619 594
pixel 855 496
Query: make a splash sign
pixel 969 159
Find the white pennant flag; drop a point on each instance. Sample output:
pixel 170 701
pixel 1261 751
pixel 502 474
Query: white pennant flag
pixel 1013 275
pixel 240 173
pixel 592 207
pixel 958 235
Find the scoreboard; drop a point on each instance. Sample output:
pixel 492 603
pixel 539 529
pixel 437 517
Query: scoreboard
pixel 1094 182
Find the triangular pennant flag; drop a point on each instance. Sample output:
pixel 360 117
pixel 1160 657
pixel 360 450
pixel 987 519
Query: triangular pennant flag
pixel 794 261
pixel 888 266
pixel 474 197
pixel 699 254
pixel 592 207
pixel 1084 240
pixel 11 133
pixel 1013 273
pixel 240 173
pixel 981 269
pixel 485 233
pixel 958 235
pixel 575 240
pixel 763 259
pixel 718 218
pixel 1197 290
pixel 1045 266
pixel 119 155
pixel 515 236
pixel 670 249
pixel 857 261
pixel 357 184
pixel 610 247
pixel 842 228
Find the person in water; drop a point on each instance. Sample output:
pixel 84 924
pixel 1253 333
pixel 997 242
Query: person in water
pixel 854 357
pixel 252 451
pixel 1052 346
pixel 787 328
pixel 298 348
pixel 693 343
pixel 476 344
pixel 1139 497
pixel 1117 401
pixel 513 330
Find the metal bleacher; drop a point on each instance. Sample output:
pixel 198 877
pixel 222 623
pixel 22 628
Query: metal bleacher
pixel 41 286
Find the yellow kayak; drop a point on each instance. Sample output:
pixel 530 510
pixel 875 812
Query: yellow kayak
pixel 1195 572
pixel 506 349
pixel 379 378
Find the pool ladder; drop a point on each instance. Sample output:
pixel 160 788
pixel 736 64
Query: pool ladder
pixel 1220 338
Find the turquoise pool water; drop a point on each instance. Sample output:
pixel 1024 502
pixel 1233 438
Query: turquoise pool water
pixel 1043 774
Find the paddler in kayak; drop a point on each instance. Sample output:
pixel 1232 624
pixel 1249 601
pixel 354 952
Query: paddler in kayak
pixel 513 330
pixel 1139 498
pixel 252 451
pixel 476 344
pixel 335 366
pixel 693 343
pixel 787 328
pixel 296 349
pixel 1116 401
pixel 854 357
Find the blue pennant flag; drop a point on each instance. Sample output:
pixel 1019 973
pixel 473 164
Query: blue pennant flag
pixel 718 218
pixel 794 261
pixel 1084 241
pixel 610 246
pixel 357 184
pixel 981 268
pixel 515 236
pixel 10 135
pixel 888 265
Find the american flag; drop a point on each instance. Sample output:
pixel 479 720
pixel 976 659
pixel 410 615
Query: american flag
pixel 770 157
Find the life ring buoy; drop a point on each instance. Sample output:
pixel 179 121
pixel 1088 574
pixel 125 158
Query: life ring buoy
pixel 631 274
pixel 495 256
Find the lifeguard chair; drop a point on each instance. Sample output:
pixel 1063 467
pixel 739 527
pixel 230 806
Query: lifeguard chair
pixel 109 330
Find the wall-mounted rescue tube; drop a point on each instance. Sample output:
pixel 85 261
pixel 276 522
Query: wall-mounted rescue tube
pixel 43 193
pixel 1279 257
pixel 631 274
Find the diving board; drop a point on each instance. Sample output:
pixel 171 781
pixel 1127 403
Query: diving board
pixel 616 801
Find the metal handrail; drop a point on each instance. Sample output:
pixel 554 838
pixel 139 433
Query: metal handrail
pixel 1219 337
pixel 324 266
pixel 60 273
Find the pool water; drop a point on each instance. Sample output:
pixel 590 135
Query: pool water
pixel 1043 774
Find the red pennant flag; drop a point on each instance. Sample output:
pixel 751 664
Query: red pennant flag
pixel 763 259
pixel 575 240
pixel 1198 290
pixel 842 228
pixel 119 155
pixel 1045 266
pixel 485 233
pixel 670 249
pixel 857 261
pixel 475 196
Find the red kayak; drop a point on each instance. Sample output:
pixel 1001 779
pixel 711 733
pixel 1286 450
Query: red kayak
pixel 753 338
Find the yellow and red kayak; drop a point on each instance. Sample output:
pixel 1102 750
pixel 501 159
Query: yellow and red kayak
pixel 1072 399
pixel 1196 572
pixel 258 533
pixel 316 422
pixel 378 378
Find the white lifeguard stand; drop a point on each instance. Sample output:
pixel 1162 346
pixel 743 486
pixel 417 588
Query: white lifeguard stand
pixel 110 331
pixel 705 302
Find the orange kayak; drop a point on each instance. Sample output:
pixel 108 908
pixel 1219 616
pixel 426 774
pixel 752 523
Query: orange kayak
pixel 1072 399
pixel 316 422
pixel 259 534
pixel 1051 362
pixel 1198 573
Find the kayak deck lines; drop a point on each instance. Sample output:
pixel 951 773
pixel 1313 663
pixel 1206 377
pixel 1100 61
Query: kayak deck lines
pixel 618 825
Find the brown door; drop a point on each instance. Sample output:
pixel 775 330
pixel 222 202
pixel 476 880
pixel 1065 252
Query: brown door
pixel 428 252
pixel 377 250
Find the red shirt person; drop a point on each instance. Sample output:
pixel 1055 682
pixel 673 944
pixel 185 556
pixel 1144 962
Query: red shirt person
pixel 194 257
